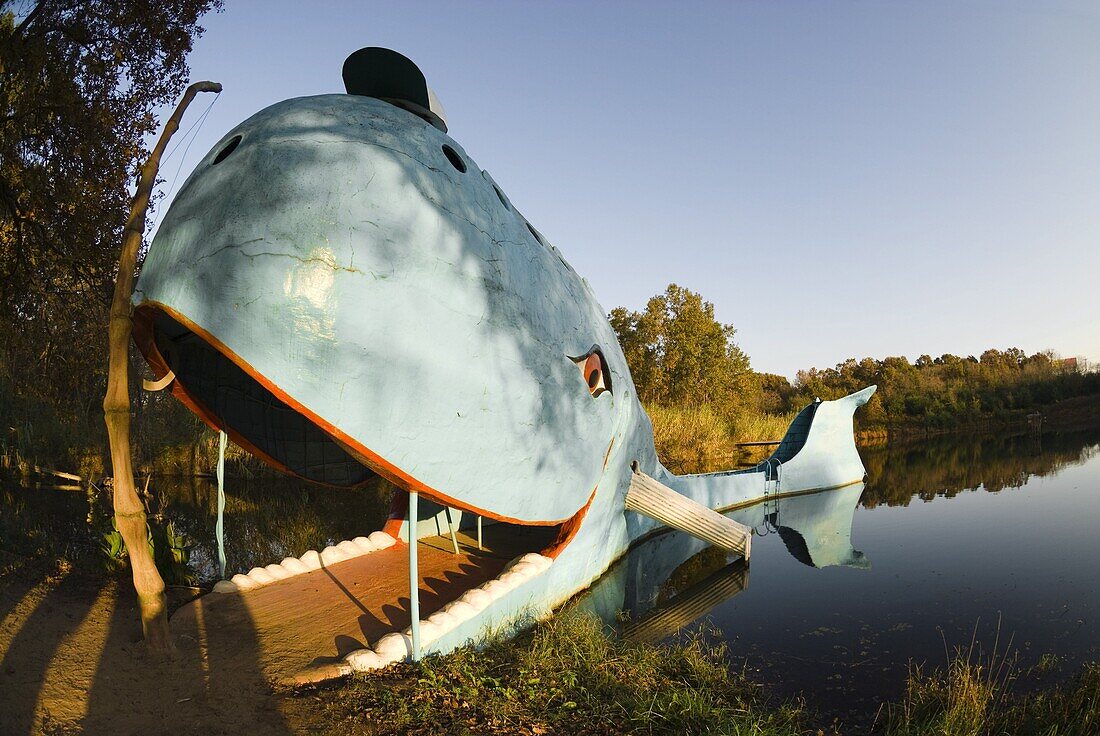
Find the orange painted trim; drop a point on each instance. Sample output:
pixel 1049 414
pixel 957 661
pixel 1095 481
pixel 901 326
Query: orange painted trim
pixel 569 529
pixel 371 459
pixel 399 509
pixel 143 331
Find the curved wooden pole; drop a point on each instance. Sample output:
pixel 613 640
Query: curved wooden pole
pixel 129 510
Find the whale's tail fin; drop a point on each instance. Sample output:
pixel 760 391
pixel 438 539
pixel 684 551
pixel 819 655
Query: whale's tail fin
pixel 818 452
pixel 819 449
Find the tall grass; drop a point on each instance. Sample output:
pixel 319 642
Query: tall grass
pixel 976 695
pixel 700 439
pixel 967 699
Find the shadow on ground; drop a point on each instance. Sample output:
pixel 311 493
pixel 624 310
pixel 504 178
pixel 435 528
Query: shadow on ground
pixel 72 661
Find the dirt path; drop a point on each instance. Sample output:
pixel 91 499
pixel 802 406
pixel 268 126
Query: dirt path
pixel 72 661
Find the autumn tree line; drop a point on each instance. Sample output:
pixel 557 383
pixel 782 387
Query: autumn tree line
pixel 702 394
pixel 81 85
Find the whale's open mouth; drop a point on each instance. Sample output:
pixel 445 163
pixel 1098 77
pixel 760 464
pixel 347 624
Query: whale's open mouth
pixel 229 394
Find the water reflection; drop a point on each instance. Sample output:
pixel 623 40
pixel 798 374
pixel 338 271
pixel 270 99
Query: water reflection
pixel 266 519
pixel 970 538
pixel 672 579
pixel 995 531
pixel 945 466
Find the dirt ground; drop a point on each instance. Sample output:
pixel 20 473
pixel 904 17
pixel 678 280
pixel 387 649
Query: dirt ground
pixel 72 660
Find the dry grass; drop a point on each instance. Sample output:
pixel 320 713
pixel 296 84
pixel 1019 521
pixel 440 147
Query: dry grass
pixel 979 696
pixel 702 440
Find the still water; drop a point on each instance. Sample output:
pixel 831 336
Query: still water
pixel 990 539
pixel 993 540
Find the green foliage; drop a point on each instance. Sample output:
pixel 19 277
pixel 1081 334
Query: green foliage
pixel 79 83
pixel 113 548
pixel 679 354
pixel 170 549
pixel 949 390
pixel 703 396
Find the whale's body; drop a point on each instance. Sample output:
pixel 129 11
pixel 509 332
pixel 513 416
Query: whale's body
pixel 340 287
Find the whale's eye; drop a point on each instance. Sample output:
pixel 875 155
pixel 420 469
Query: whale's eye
pixel 594 369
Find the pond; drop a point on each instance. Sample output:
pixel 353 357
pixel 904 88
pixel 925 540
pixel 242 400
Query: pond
pixel 992 540
pixel 988 539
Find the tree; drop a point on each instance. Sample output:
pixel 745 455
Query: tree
pixel 79 84
pixel 679 354
pixel 129 510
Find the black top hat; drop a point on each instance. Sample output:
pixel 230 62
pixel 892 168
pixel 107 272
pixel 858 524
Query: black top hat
pixel 390 76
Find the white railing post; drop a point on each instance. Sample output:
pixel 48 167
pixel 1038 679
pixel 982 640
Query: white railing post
pixel 414 580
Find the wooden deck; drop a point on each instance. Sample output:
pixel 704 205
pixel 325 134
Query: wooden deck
pixel 321 615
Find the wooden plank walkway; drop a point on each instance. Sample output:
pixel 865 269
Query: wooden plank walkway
pixel 322 615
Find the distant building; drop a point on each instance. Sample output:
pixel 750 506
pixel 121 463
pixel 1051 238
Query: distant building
pixel 1076 364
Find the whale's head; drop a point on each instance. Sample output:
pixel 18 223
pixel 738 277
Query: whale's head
pixel 341 288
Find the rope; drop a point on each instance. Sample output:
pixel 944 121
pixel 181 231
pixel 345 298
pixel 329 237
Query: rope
pixel 220 528
pixel 197 125
pixel 188 137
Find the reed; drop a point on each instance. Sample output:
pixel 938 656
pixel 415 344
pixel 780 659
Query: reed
pixel 700 439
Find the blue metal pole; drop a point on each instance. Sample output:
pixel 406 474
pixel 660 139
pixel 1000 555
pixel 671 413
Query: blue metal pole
pixel 414 580
pixel 451 529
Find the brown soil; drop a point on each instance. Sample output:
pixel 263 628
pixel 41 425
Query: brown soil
pixel 72 660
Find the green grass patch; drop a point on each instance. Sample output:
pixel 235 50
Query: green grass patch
pixel 564 677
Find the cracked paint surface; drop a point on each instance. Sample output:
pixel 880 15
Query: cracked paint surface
pixel 340 254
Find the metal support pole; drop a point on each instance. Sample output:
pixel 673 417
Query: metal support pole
pixel 451 529
pixel 219 528
pixel 414 580
pixel 479 533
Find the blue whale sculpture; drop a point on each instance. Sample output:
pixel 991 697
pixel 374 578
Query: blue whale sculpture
pixel 341 288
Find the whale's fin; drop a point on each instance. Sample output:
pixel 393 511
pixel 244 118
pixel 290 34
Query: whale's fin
pixel 818 452
pixel 822 436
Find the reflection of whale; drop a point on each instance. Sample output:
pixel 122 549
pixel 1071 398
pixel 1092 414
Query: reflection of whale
pixel 691 605
pixel 672 579
pixel 817 528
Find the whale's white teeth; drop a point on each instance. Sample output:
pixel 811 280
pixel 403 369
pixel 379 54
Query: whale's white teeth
pixel 390 648
pixel 332 555
pixel 296 566
pixel 227 586
pixel 310 561
pixel 278 572
pixel 395 646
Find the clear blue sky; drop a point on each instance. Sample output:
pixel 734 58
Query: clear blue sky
pixel 840 179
